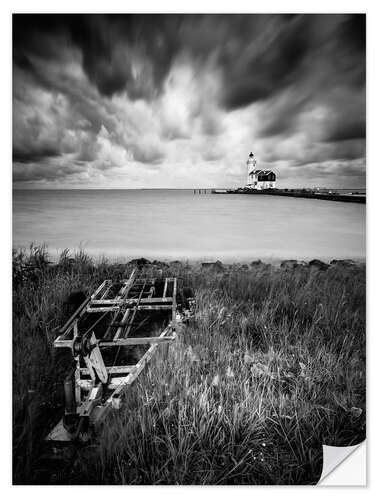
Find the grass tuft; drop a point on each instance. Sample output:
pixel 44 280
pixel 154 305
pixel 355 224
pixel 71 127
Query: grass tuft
pixel 271 367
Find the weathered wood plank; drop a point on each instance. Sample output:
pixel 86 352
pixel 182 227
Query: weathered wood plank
pixel 136 341
pixel 146 301
pixel 112 369
pixel 106 284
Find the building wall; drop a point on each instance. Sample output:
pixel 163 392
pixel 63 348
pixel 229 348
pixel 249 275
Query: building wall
pixel 254 184
pixel 266 185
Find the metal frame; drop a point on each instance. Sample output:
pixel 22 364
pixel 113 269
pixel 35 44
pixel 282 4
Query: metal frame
pixel 135 294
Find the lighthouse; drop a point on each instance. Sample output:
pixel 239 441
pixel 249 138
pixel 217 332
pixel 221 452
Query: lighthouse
pixel 258 179
pixel 251 164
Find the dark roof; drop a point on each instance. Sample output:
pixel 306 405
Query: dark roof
pixel 261 172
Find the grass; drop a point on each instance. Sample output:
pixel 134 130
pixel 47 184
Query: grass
pixel 271 367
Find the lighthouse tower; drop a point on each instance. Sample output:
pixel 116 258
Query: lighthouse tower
pixel 251 165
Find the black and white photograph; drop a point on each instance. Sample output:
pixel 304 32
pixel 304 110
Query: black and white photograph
pixel 188 247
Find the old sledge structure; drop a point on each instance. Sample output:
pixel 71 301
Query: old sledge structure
pixel 100 334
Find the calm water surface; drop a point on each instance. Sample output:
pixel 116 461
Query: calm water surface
pixel 178 224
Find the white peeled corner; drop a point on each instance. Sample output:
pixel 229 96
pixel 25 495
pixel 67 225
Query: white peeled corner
pixel 344 465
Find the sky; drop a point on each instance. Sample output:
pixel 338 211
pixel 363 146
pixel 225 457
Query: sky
pixel 179 101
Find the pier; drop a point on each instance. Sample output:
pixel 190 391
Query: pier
pixel 353 197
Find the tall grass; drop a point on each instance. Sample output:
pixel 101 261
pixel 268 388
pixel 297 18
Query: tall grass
pixel 271 367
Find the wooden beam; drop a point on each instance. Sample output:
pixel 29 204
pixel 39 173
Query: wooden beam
pixel 112 369
pixel 114 302
pixel 106 283
pixel 165 288
pixel 60 342
pixel 174 304
pixel 123 293
pixel 103 309
pixel 136 341
pixel 87 385
pixel 155 307
pixel 122 325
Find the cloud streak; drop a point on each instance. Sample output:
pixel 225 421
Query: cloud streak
pixel 179 100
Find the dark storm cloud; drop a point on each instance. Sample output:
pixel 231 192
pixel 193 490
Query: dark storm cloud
pixel 259 55
pixel 36 154
pixel 112 47
pixel 281 117
pixel 251 77
pixel 94 89
pixel 344 131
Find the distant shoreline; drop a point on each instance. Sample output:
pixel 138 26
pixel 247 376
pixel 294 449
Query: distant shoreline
pixel 15 188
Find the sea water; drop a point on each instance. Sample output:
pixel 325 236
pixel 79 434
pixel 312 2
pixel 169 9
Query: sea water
pixel 178 224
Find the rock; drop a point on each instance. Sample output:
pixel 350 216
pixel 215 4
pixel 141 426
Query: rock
pixel 259 265
pixel 343 263
pixel 139 262
pixel 292 264
pixel 158 263
pixel 288 264
pixel 318 264
pixel 214 266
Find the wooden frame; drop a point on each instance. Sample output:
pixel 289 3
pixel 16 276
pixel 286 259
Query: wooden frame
pixel 92 377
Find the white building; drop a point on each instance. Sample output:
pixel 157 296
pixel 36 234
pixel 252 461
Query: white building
pixel 259 179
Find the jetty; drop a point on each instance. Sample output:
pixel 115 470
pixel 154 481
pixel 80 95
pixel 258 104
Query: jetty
pixel 351 197
pixel 263 182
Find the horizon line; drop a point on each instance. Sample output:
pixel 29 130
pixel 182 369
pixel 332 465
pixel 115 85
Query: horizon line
pixel 14 188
